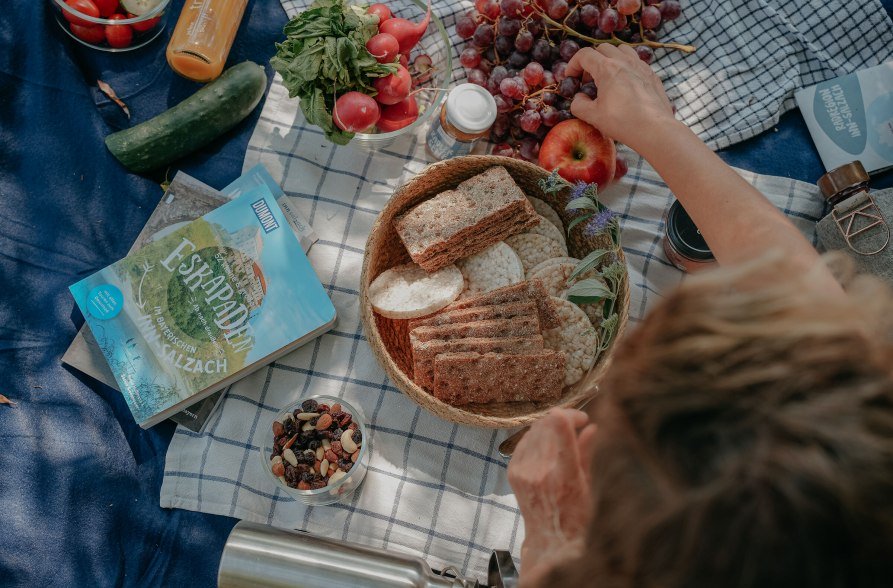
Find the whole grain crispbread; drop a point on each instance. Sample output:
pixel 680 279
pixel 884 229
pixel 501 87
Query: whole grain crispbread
pixel 463 378
pixel 453 224
pixel 476 313
pixel 513 327
pixel 530 290
pixel 425 352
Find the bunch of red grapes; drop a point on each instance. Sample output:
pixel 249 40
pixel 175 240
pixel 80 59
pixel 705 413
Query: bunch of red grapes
pixel 519 49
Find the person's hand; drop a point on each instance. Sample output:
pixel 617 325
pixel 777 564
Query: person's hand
pixel 549 473
pixel 630 99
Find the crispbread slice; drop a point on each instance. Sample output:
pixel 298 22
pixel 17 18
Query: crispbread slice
pixel 524 291
pixel 494 267
pixel 474 240
pixel 546 211
pixel 514 327
pixel 576 337
pixel 476 313
pixel 457 223
pixel 407 291
pixel 424 352
pixel 463 378
pixel 534 249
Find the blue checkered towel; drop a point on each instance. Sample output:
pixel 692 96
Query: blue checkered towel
pixel 434 488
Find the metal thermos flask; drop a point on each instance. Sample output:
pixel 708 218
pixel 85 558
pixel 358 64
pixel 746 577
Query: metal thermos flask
pixel 260 556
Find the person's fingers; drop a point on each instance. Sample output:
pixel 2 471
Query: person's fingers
pixel 585 108
pixel 629 55
pixel 586 60
pixel 586 446
pixel 577 418
pixel 608 50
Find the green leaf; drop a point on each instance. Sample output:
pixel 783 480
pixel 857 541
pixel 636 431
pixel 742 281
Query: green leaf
pixel 608 330
pixel 581 203
pixel 587 263
pixel 577 221
pixel 593 290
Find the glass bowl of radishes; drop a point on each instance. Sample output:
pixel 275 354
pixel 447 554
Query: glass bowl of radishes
pixel 366 74
pixel 111 25
pixel 429 66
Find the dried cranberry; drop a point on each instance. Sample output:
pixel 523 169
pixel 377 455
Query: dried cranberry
pixel 309 405
pixel 353 426
pixel 322 408
pixel 344 420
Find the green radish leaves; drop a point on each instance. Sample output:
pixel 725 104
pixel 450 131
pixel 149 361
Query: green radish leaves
pixel 324 55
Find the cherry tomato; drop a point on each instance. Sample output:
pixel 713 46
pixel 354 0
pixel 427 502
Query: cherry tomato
pixel 92 34
pixel 106 7
pixel 119 36
pixel 84 7
pixel 146 25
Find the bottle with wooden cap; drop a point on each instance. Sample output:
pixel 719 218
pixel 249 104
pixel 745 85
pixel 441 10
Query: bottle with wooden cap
pixel 467 115
pixel 203 36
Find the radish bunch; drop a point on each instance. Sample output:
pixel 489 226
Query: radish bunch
pixel 393 105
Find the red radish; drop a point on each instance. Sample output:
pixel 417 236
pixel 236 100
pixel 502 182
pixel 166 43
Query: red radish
pixel 393 88
pixel 406 32
pixel 355 112
pixel 397 116
pixel 381 11
pixel 404 61
pixel 423 68
pixel 383 47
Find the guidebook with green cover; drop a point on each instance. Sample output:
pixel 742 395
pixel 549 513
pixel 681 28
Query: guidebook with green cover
pixel 202 307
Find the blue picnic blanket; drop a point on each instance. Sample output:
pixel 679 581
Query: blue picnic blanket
pixel 79 488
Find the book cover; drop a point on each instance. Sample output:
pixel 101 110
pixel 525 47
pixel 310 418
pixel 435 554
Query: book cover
pixel 851 118
pixel 197 309
pixel 184 200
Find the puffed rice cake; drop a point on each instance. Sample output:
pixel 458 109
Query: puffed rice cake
pixel 575 337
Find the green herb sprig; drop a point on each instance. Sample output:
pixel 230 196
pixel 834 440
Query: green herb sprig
pixel 324 54
pixel 609 272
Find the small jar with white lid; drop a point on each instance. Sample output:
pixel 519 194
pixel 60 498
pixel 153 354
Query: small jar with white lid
pixel 467 115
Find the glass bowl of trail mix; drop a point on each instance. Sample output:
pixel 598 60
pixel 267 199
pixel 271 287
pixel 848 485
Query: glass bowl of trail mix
pixel 316 450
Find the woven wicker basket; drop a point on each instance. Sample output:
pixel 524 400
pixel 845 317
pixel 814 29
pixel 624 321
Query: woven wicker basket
pixel 389 338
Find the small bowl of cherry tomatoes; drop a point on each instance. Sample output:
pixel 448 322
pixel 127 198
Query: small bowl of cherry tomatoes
pixel 112 25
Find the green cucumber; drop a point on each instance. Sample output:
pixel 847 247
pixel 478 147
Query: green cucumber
pixel 193 123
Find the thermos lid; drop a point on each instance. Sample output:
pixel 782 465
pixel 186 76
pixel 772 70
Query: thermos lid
pixel 471 108
pixel 844 179
pixel 685 236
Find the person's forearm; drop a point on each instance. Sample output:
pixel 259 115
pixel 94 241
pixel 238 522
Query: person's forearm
pixel 736 220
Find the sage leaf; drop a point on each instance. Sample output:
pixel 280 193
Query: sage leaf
pixel 587 263
pixel 593 290
pixel 581 203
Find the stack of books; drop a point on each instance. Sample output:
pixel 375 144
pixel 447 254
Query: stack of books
pixel 216 286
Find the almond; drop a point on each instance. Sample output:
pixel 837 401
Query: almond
pixel 336 407
pixel 324 422
pixel 278 469
pixel 290 442
pixel 278 428
pixel 303 486
pixel 330 455
pixel 289 456
pixel 324 467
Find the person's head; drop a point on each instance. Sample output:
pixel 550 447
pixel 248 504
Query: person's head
pixel 746 439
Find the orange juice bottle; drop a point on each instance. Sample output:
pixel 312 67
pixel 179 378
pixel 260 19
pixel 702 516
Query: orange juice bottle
pixel 203 37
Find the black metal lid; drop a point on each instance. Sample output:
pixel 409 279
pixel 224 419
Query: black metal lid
pixel 685 236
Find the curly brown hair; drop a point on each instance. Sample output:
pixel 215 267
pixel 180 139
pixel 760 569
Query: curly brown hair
pixel 746 440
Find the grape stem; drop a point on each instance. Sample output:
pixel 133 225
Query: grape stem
pixel 613 40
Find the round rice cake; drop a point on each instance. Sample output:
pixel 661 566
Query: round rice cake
pixel 543 209
pixel 494 267
pixel 533 249
pixel 547 229
pixel 407 291
pixel 555 273
pixel 575 337
pixel 552 261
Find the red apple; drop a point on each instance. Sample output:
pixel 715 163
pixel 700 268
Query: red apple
pixel 579 152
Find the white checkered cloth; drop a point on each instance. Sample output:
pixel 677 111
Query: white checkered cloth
pixel 433 488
